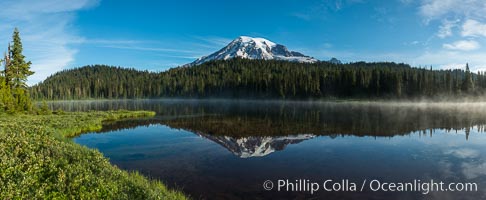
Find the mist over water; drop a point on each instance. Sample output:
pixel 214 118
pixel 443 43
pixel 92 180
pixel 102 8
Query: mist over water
pixel 217 149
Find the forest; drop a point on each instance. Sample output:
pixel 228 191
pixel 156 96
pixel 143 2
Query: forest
pixel 244 78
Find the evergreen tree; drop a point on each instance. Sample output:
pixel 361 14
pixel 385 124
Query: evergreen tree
pixel 18 68
pixel 467 84
pixel 16 72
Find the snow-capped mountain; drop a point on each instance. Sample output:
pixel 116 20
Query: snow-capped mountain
pixel 255 48
pixel 256 146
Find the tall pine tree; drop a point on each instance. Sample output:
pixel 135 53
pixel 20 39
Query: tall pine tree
pixel 16 72
pixel 467 84
pixel 17 68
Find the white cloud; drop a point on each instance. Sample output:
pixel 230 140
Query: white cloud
pixel 467 25
pixel 200 46
pixel 448 16
pixel 143 48
pixel 214 41
pixel 463 153
pixel 474 170
pixel 437 9
pixel 473 28
pixel 444 59
pixel 46 31
pixel 445 30
pixel 31 8
pixel 462 45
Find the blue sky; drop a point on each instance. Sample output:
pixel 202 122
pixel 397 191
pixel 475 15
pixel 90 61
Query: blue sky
pixel 157 35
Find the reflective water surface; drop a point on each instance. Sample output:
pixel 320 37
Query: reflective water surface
pixel 215 149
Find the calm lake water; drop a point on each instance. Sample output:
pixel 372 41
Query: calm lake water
pixel 228 149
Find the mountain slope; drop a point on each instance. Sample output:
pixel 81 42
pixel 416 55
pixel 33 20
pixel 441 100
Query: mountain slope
pixel 255 48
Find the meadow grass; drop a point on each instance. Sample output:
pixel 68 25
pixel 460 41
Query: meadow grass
pixel 39 161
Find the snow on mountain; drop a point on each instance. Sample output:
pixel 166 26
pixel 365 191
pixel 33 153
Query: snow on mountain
pixel 255 48
pixel 256 146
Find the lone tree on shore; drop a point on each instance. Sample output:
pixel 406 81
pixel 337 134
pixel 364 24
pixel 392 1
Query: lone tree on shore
pixel 13 79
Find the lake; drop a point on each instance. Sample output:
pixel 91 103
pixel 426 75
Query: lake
pixel 216 149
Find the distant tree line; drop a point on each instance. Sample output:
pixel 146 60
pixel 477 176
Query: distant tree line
pixel 243 78
pixel 14 94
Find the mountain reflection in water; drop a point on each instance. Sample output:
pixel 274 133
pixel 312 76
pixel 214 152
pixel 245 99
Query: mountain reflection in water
pixel 222 150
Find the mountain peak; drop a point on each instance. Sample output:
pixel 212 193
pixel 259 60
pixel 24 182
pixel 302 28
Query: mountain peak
pixel 257 41
pixel 255 48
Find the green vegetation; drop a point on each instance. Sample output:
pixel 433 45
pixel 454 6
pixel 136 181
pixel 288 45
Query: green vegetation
pixel 39 162
pixel 241 78
pixel 37 159
pixel 14 96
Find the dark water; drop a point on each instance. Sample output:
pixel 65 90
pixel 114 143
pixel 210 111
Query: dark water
pixel 227 150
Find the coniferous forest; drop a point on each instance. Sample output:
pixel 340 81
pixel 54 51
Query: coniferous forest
pixel 243 78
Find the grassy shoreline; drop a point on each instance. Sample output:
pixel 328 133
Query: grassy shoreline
pixel 38 161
